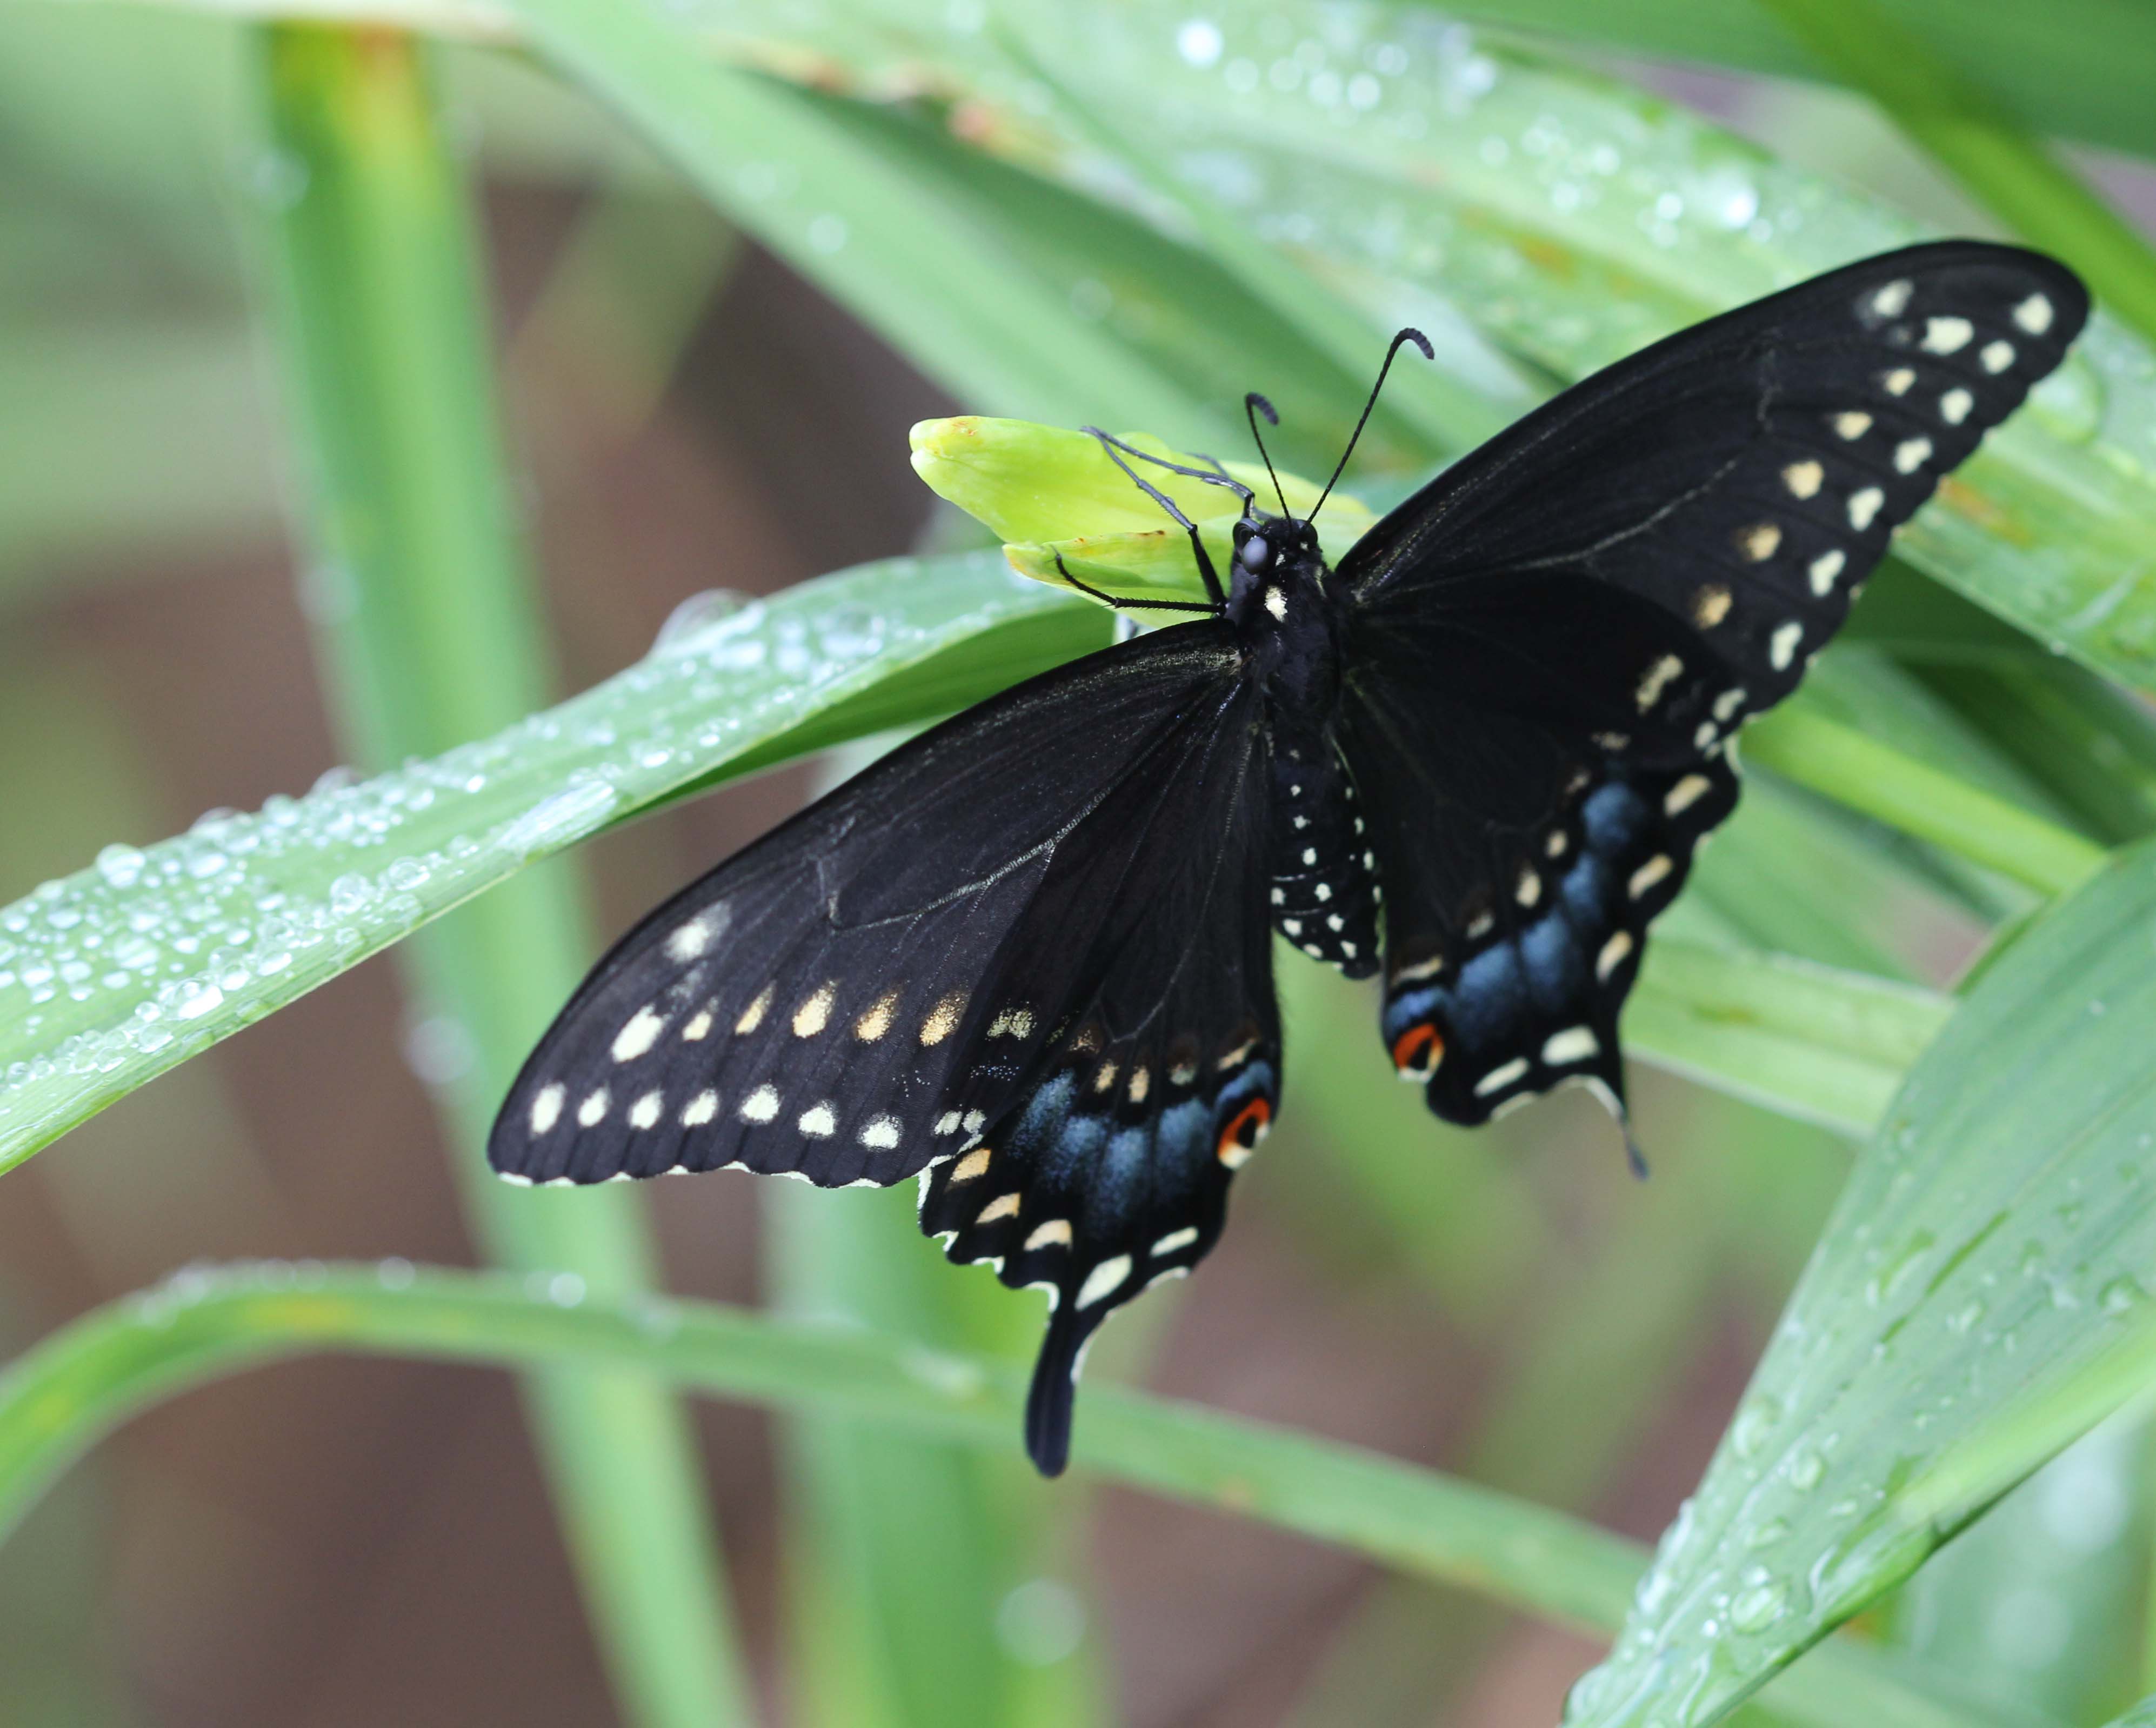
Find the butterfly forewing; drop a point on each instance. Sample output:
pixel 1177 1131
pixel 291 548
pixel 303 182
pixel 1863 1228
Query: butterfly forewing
pixel 823 1001
pixel 1551 643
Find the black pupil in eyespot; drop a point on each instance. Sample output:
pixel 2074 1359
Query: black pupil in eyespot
pixel 1255 551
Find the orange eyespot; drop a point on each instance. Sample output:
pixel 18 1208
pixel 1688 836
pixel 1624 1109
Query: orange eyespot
pixel 1244 1130
pixel 1418 1050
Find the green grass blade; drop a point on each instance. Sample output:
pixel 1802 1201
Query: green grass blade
pixel 908 262
pixel 1958 122
pixel 1857 771
pixel 1994 1231
pixel 429 631
pixel 1825 1046
pixel 60 1397
pixel 109 976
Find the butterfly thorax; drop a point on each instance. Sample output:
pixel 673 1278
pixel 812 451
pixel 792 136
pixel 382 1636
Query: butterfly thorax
pixel 1324 892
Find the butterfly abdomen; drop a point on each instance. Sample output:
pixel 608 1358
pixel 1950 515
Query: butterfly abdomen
pixel 1324 893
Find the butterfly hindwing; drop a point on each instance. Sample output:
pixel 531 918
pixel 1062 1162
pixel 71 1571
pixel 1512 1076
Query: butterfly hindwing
pixel 836 1000
pixel 1551 645
pixel 1149 1085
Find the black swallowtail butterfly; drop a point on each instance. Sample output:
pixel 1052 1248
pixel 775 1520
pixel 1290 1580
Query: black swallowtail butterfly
pixel 1027 957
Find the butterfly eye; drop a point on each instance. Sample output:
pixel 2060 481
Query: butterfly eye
pixel 1255 552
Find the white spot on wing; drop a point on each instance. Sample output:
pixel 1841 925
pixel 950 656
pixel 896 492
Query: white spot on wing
pixel 1954 406
pixel 1759 541
pixel 817 1122
pixel 1852 425
pixel 1825 568
pixel 697 1027
pixel 1899 380
pixel 691 939
pixel 645 1111
pixel 1892 300
pixel 881 1133
pixel 1804 478
pixel 1104 1281
pixel 1946 335
pixel 760 1105
pixel 1686 792
pixel 815 1013
pixel 1575 1043
pixel 1055 1234
pixel 1613 955
pixel 1996 356
pixel 2034 315
pixel 1782 645
pixel 700 1109
pixel 1500 1077
pixel 637 1036
pixel 1648 874
pixel 1656 680
pixel 752 1015
pixel 948 1123
pixel 593 1110
pixel 1175 1239
pixel 1012 1023
pixel 1003 1206
pixel 1864 507
pixel 547 1107
pixel 1912 454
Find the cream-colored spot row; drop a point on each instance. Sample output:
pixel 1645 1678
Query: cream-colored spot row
pixel 1892 300
pixel 1782 645
pixel 1954 406
pixel 1003 1206
pixel 1851 425
pixel 703 1108
pixel 881 1133
pixel 1899 380
pixel 1613 955
pixel 1760 541
pixel 751 1016
pixel 1912 454
pixel 1864 507
pixel 1175 1239
pixel 1529 889
pixel 1012 1023
pixel 1729 702
pixel 1996 356
pixel 2034 315
pixel 1804 478
pixel 645 1112
pixel 760 1106
pixel 699 1027
pixel 593 1110
pixel 819 1121
pixel 1055 1234
pixel 974 1164
pixel 1710 605
pixel 1825 568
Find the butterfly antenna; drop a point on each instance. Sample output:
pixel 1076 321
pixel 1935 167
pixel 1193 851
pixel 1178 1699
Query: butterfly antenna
pixel 1253 405
pixel 1399 342
pixel 1636 1159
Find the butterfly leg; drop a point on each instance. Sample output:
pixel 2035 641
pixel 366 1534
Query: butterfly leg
pixel 1114 446
pixel 1086 588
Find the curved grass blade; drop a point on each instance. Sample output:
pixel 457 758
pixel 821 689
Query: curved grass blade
pixel 112 976
pixel 1995 1231
pixel 60 1397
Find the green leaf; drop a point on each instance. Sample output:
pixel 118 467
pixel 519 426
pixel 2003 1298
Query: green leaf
pixel 1825 1046
pixel 59 1398
pixel 1994 1232
pixel 109 976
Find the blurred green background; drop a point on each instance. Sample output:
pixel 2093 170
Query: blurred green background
pixel 342 1542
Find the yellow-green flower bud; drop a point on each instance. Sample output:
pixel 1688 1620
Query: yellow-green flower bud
pixel 1049 491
